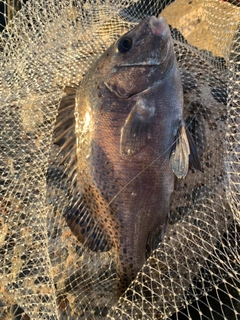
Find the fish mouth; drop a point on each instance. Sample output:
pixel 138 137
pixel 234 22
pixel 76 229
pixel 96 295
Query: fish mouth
pixel 159 27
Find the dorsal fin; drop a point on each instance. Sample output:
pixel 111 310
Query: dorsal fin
pixel 78 214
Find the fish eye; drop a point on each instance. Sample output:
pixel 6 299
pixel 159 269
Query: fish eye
pixel 125 44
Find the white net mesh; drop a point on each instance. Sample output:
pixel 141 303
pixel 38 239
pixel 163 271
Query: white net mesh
pixel 45 272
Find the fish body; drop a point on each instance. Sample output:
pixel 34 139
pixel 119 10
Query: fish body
pixel 123 138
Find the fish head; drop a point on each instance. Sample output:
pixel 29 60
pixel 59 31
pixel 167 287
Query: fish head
pixel 140 58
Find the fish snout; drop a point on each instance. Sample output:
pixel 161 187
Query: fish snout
pixel 159 27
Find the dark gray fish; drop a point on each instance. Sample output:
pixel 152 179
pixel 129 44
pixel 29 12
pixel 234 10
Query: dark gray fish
pixel 122 139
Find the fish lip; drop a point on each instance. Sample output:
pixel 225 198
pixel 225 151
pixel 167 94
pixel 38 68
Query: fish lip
pixel 158 27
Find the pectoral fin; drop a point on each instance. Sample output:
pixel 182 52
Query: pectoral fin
pixel 193 157
pixel 136 129
pixel 183 152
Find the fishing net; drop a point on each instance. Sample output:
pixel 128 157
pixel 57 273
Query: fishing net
pixel 45 273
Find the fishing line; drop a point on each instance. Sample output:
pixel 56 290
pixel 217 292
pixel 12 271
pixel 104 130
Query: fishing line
pixel 148 166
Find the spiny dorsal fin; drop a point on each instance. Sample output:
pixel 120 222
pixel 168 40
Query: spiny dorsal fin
pixel 78 214
pixel 83 226
pixel 71 90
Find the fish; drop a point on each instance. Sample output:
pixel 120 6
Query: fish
pixel 122 140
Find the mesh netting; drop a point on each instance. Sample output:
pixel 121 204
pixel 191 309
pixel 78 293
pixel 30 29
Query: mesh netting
pixel 45 272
